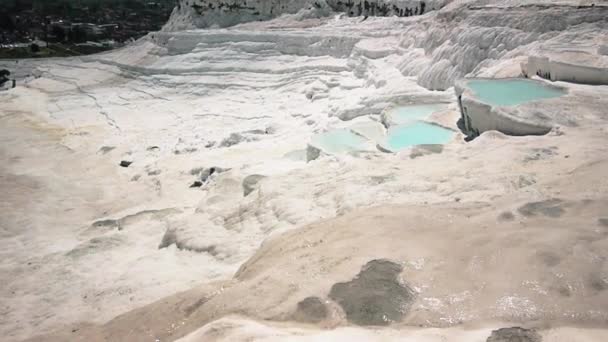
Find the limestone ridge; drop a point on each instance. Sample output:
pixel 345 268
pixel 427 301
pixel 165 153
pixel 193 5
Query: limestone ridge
pixel 190 14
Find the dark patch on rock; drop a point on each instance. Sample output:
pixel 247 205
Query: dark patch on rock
pixel 154 173
pixel 564 291
pixel 108 223
pixel 377 180
pixel 206 173
pixel 232 139
pixel 125 163
pixel 186 150
pixel 271 130
pixel 514 334
pixel 542 117
pixel 95 245
pixel 196 184
pixel 597 283
pixel 550 208
pixel 135 178
pixel 312 153
pixel 250 183
pixel 603 222
pixel 106 149
pixel 425 149
pixel 506 216
pixel 153 148
pixel 311 310
pixel 375 296
pixel 196 171
pixel 548 258
pixel 256 131
pixel 524 181
pixel 541 153
pixel 168 239
pixel 190 309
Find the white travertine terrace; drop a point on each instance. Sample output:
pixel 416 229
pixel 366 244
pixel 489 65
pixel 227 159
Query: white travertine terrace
pixel 467 238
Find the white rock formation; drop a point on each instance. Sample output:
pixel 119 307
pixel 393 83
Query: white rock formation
pixel 502 231
pixel 190 14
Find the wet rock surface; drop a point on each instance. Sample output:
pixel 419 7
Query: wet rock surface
pixel 514 334
pixel 375 296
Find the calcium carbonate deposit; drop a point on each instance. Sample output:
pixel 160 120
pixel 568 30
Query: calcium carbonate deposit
pixel 323 170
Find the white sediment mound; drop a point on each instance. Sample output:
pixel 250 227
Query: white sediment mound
pixel 219 201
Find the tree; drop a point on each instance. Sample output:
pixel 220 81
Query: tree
pixel 77 34
pixel 58 32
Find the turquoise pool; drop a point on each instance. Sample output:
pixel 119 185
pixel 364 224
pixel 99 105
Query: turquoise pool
pixel 340 141
pixel 406 114
pixel 418 133
pixel 511 92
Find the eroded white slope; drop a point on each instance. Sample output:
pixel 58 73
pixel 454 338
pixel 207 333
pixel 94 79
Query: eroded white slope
pixel 80 234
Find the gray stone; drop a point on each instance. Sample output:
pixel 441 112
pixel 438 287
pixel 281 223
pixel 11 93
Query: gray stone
pixel 311 310
pixel 514 334
pixel 375 296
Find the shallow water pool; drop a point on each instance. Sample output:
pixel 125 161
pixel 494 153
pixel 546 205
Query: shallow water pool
pixel 406 114
pixel 419 133
pixel 340 141
pixel 511 92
